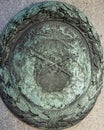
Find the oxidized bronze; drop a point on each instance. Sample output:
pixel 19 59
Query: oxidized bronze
pixel 51 65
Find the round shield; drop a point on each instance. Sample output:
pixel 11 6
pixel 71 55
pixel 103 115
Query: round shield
pixel 51 65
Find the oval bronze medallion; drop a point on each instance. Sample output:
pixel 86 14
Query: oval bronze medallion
pixel 51 65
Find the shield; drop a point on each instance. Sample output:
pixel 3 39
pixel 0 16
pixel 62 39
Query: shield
pixel 51 65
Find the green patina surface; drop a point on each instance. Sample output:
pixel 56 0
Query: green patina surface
pixel 51 65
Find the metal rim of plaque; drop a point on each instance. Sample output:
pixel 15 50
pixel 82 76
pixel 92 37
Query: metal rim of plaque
pixel 51 65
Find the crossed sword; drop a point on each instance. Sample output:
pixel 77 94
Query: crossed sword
pixel 51 62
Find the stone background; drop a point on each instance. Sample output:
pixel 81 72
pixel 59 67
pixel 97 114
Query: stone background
pixel 94 9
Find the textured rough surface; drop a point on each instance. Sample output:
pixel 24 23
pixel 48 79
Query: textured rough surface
pixel 20 106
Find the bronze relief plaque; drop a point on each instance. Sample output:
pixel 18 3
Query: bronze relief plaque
pixel 51 65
